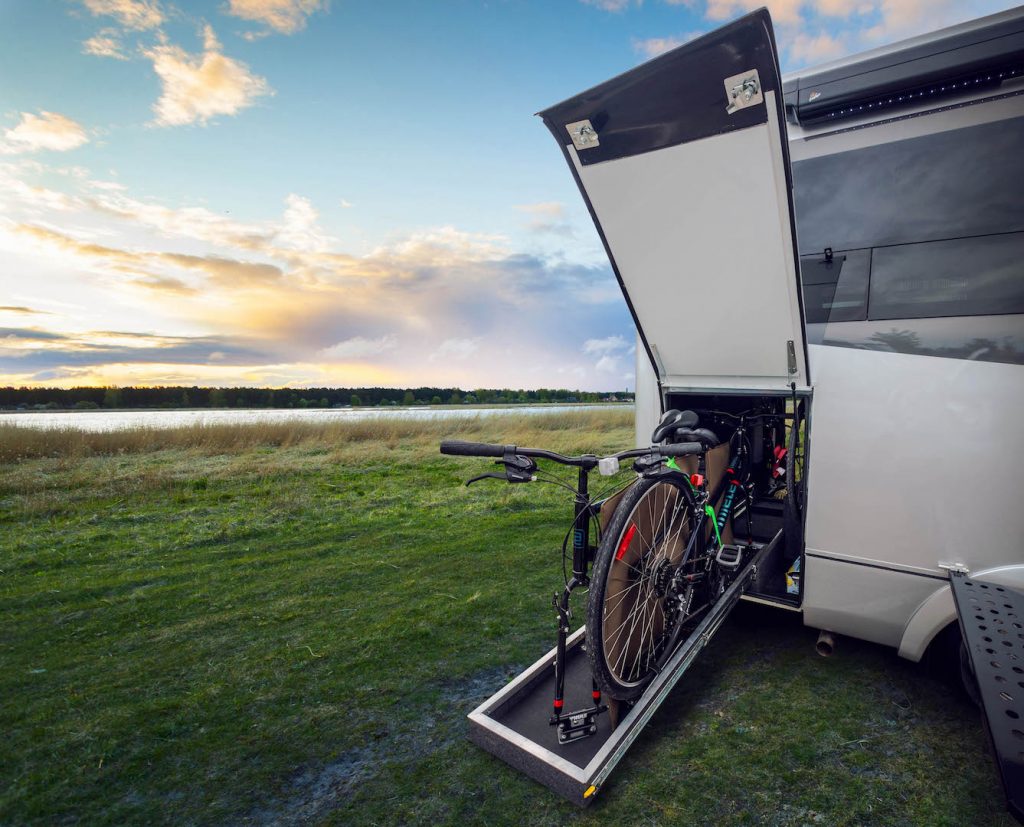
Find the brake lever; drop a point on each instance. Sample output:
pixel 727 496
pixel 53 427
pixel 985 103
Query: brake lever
pixel 517 469
pixel 649 464
pixel 484 477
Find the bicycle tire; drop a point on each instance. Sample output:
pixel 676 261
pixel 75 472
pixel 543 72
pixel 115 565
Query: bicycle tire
pixel 626 613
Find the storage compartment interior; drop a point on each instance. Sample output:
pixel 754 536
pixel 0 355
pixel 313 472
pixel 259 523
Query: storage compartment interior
pixel 772 429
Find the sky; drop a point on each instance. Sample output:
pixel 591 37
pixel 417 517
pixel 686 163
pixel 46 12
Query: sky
pixel 345 193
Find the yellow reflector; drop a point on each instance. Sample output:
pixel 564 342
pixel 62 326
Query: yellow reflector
pixel 590 791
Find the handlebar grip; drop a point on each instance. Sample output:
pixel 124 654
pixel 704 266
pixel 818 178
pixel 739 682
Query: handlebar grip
pixel 680 449
pixel 471 449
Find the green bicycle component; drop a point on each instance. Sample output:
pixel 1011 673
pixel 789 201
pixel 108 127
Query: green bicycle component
pixel 714 522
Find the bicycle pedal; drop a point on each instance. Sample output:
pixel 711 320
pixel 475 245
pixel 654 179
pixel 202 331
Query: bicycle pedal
pixel 578 725
pixel 729 556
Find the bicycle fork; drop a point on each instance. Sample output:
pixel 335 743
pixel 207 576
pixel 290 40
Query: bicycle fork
pixel 583 722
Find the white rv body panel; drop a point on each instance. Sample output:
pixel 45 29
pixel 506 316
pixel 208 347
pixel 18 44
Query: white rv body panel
pixel 904 474
pixel 904 471
pixel 647 410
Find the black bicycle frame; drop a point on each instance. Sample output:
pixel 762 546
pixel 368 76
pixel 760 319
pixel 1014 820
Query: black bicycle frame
pixel 575 724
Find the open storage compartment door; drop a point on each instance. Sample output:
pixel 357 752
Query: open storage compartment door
pixel 684 166
pixel 992 624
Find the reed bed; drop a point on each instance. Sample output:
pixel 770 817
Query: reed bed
pixel 18 443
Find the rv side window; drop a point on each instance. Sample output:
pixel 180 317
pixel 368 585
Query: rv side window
pixel 935 224
pixel 836 290
pixel 960 277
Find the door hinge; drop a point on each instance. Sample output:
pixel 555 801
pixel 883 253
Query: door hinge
pixel 955 568
pixel 791 356
pixel 743 90
pixel 583 134
pixel 659 366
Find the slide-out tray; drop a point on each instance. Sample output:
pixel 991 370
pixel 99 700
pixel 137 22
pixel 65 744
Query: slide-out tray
pixel 513 723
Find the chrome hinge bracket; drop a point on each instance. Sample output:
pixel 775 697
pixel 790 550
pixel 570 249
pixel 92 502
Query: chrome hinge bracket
pixel 955 568
pixel 791 356
pixel 583 134
pixel 743 90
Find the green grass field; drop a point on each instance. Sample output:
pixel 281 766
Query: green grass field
pixel 290 625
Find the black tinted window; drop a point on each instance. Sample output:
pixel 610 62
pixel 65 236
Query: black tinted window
pixel 960 277
pixel 962 182
pixel 837 290
pixel 925 227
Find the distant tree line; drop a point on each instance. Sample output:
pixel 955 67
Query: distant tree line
pixel 196 397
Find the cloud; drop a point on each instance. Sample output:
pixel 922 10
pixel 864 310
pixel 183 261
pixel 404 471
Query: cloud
pixel 200 87
pixel 346 204
pixel 442 306
pixel 61 241
pixel 132 14
pixel 906 18
pixel 301 228
pixel 610 351
pixel 225 271
pixel 811 49
pixel 807 30
pixel 547 215
pixel 283 16
pixel 105 44
pixel 45 131
pixel 842 8
pixel 456 349
pixel 359 347
pixel 654 46
pixel 20 310
pixel 610 344
pixel 550 209
pixel 31 350
pixel 10 335
pixel 166 284
pixel 782 11
pixel 610 5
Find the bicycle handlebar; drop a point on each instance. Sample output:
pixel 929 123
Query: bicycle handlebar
pixel 458 447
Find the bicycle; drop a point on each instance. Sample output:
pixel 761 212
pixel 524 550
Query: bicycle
pixel 658 566
pixel 662 562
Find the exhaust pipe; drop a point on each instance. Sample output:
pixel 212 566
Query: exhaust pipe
pixel 826 644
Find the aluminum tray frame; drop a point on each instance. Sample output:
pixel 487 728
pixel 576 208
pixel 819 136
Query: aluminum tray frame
pixel 580 784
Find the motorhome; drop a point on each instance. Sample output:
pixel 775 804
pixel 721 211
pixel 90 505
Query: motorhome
pixel 908 202
pixel 843 248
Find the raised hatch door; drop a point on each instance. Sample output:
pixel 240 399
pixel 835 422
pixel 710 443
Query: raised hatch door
pixel 684 166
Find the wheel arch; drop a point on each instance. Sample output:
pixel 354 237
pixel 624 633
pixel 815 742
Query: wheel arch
pixel 933 615
pixel 937 611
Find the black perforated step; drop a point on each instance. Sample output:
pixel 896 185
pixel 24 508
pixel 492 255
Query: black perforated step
pixel 992 623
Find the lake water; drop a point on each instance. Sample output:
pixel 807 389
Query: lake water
pixel 119 420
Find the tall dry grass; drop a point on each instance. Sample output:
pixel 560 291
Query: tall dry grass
pixel 22 443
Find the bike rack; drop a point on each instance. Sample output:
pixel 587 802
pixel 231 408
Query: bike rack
pixel 513 723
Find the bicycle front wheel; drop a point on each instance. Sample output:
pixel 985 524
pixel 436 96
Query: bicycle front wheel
pixel 634 601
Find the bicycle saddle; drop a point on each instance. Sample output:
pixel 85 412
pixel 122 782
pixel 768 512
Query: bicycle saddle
pixel 673 421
